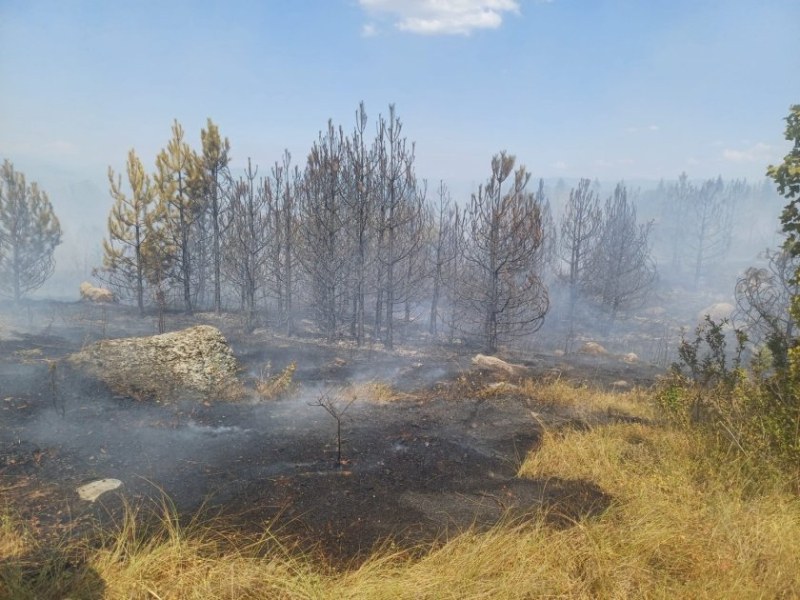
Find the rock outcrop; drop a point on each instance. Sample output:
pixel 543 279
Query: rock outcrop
pixel 194 361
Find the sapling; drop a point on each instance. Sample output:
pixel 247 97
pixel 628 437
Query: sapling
pixel 334 407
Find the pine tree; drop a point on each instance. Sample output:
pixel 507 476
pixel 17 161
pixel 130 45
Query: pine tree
pixel 502 290
pixel 176 181
pixel 128 228
pixel 214 165
pixel 29 234
pixel 621 272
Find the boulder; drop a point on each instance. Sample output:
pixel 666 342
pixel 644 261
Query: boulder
pixel 593 348
pixel 95 294
pixel 492 363
pixel 197 360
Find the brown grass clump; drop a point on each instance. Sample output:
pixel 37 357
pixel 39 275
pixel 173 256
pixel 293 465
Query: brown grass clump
pixel 375 391
pixel 272 387
pixel 14 540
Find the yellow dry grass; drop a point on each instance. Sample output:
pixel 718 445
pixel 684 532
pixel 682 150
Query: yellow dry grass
pixel 375 391
pixel 684 523
pixel 272 387
pixel 14 540
pixel 585 399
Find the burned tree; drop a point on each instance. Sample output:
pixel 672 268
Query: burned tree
pixel 29 234
pixel 442 250
pixel 676 200
pixel 128 227
pixel 502 289
pixel 580 232
pixel 621 272
pixel 283 187
pixel 399 210
pixel 322 228
pixel 710 221
pixel 360 201
pixel 247 239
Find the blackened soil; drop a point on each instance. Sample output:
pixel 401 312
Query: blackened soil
pixel 428 463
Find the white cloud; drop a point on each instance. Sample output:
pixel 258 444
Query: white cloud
pixel 369 30
pixel 448 17
pixel 758 152
pixel 559 165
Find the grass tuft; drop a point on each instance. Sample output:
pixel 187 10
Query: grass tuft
pixel 272 387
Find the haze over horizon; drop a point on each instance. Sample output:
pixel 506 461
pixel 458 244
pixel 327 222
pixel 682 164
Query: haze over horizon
pixel 608 90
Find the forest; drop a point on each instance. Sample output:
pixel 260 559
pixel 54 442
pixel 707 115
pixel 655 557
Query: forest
pixel 349 238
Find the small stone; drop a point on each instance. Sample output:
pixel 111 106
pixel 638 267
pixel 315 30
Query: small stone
pixel 93 490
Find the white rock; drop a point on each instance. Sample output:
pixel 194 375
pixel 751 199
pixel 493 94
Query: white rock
pixel 496 364
pixel 94 489
pixel 593 348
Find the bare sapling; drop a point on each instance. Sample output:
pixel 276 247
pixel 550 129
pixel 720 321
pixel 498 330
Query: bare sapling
pixel 336 408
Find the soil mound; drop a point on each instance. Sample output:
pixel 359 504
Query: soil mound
pixel 197 359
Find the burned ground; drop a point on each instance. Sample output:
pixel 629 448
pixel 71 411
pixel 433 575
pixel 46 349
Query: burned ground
pixel 436 458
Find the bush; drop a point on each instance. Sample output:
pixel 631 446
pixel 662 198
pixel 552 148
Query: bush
pixel 751 412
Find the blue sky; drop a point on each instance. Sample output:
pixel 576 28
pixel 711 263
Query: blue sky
pixel 605 89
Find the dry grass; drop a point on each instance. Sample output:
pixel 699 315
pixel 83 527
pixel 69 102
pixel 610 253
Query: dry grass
pixel 14 539
pixel 585 400
pixel 685 523
pixel 375 391
pixel 272 387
